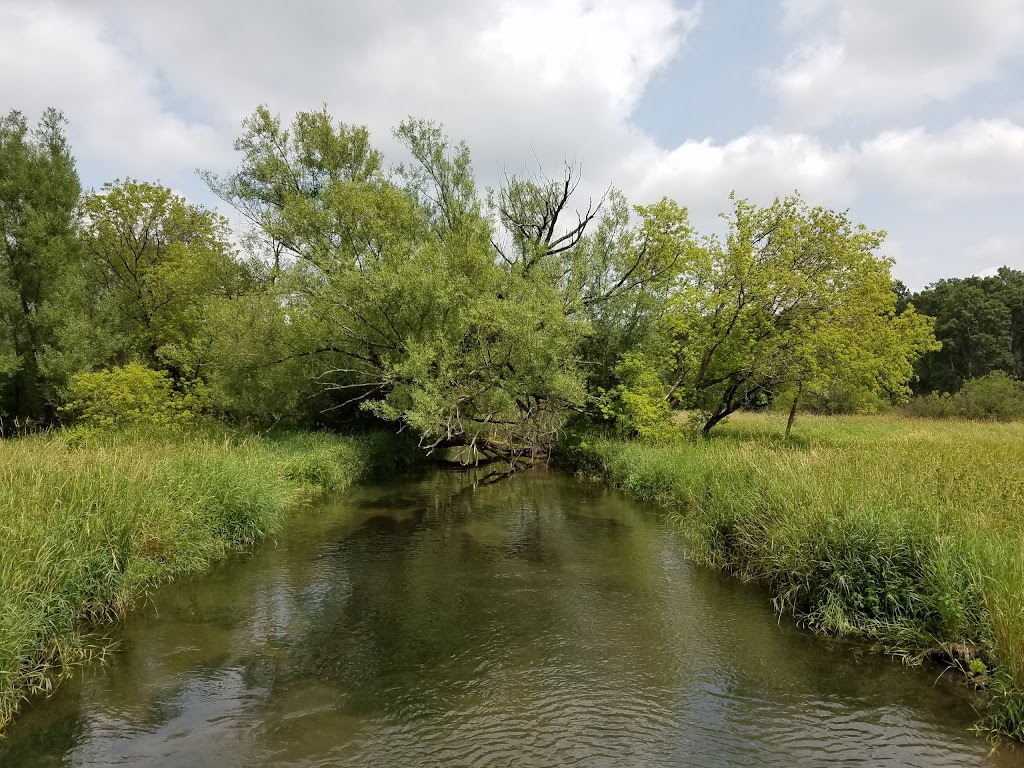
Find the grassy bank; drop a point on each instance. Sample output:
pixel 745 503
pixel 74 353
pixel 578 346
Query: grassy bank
pixel 908 533
pixel 89 521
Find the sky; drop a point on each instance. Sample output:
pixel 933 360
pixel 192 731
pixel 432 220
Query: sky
pixel 910 114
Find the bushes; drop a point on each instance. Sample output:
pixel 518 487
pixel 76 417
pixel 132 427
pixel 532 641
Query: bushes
pixel 134 395
pixel 637 407
pixel 995 396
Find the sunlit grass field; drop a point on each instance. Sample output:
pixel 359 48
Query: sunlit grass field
pixel 905 532
pixel 90 520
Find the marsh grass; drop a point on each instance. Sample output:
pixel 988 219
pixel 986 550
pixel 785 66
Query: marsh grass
pixel 904 532
pixel 90 520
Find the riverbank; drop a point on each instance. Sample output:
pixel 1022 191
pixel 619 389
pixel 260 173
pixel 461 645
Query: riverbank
pixel 905 533
pixel 90 520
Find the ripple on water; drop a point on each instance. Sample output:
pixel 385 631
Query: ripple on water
pixel 534 622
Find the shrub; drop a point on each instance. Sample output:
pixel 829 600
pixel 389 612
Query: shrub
pixel 935 405
pixel 133 395
pixel 637 406
pixel 995 396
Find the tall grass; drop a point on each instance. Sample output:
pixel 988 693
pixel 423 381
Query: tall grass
pixel 907 533
pixel 90 520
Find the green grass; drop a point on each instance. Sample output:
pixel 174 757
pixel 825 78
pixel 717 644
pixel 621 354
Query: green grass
pixel 90 520
pixel 906 533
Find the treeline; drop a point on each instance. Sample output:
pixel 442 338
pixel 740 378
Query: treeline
pixel 977 372
pixel 363 292
pixel 980 323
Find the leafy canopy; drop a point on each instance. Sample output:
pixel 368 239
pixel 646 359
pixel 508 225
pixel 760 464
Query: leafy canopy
pixel 156 261
pixel 424 302
pixel 495 319
pixel 43 327
pixel 793 296
pixel 980 322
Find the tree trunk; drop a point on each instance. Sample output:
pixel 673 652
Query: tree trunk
pixel 727 407
pixel 709 425
pixel 792 410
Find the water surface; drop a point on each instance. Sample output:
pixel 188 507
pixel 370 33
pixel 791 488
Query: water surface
pixel 445 621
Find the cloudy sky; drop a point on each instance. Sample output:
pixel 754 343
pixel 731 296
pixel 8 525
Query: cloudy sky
pixel 909 113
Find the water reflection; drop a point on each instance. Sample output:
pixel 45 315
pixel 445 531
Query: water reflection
pixel 442 621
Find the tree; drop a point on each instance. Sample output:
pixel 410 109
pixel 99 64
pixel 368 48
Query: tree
pixel 793 298
pixel 156 261
pixel 393 277
pixel 41 300
pixel 980 322
pixel 422 304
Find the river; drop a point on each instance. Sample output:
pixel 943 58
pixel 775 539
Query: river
pixel 447 620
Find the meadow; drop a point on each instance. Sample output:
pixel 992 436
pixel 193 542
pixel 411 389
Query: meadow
pixel 90 520
pixel 907 533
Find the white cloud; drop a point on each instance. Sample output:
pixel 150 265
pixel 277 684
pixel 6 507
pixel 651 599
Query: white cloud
pixel 156 90
pixel 55 57
pixel 560 46
pixel 524 77
pixel 974 160
pixel 760 165
pixel 934 171
pixel 800 14
pixel 892 57
pixel 988 255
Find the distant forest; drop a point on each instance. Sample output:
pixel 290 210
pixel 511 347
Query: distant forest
pixel 980 322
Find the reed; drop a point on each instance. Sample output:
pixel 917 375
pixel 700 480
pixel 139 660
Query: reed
pixel 906 533
pixel 89 521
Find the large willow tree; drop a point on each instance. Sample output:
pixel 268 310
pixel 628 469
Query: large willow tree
pixel 420 302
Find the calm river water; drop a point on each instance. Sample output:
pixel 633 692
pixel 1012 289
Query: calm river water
pixel 442 621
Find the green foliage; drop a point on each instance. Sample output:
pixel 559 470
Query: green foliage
pixel 637 406
pixel 793 297
pixel 992 397
pixel 256 363
pixel 134 395
pixel 859 528
pixel 838 398
pixel 42 316
pixel 157 262
pixel 980 322
pixel 414 301
pixel 485 320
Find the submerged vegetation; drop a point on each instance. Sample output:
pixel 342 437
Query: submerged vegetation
pixel 907 533
pixel 91 519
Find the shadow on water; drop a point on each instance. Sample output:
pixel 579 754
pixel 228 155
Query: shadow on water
pixel 452 621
